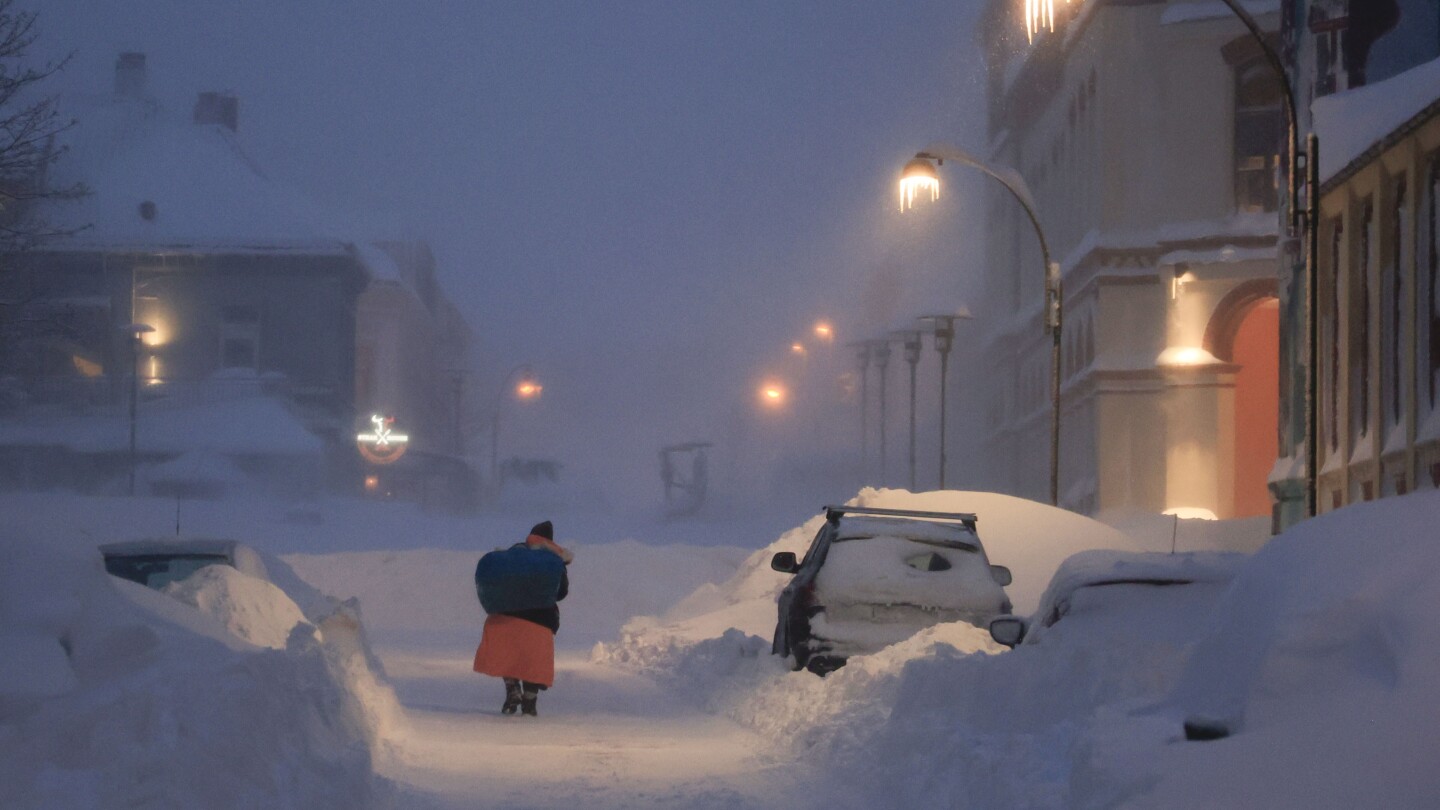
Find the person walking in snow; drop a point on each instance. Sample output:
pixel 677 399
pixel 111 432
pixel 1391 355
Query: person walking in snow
pixel 519 588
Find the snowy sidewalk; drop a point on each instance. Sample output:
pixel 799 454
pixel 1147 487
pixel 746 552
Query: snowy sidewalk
pixel 604 739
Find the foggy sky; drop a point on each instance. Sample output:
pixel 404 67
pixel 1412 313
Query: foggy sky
pixel 647 201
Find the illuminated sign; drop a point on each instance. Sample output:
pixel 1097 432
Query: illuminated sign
pixel 382 445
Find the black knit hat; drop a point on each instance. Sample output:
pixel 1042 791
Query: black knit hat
pixel 545 530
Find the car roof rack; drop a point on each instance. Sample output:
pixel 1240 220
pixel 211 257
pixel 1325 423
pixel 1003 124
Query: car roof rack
pixel 834 513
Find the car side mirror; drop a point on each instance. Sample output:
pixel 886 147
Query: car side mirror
pixel 1007 630
pixel 785 562
pixel 1001 575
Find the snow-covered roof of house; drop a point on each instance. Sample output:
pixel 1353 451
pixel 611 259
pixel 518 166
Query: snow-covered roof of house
pixel 1354 122
pixel 204 193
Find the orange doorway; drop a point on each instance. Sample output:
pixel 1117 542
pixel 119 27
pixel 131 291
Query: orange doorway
pixel 1257 406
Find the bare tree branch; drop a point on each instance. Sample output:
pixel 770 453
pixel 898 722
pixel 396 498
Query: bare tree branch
pixel 30 124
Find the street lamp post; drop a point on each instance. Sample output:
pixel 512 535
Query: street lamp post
pixel 880 350
pixel 910 341
pixel 862 355
pixel 920 175
pixel 527 389
pixel 943 327
pixel 136 332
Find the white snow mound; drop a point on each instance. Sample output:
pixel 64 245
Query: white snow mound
pixel 251 608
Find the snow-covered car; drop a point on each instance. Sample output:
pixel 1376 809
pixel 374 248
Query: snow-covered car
pixel 1122 593
pixel 873 577
pixel 156 563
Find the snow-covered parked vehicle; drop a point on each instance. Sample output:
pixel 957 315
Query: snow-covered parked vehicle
pixel 1124 594
pixel 873 577
pixel 156 563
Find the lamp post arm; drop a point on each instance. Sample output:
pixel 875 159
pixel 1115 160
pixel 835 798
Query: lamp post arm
pixel 1006 176
pixel 1291 112
pixel 1054 299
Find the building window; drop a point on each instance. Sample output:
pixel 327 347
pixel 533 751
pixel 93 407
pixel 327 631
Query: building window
pixel 1257 137
pixel 1392 311
pixel 1331 336
pixel 1360 322
pixel 240 336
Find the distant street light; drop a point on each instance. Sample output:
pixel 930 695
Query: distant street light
pixel 943 327
pixel 528 388
pixel 910 342
pixel 136 333
pixel 916 177
pixel 773 394
pixel 824 331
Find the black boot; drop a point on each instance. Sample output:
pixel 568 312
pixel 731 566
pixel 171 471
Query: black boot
pixel 527 700
pixel 513 696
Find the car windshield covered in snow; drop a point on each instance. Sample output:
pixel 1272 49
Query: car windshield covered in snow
pixel 875 578
pixel 1126 594
pixel 157 563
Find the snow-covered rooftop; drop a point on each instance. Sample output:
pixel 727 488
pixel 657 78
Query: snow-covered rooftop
pixel 204 193
pixel 1352 122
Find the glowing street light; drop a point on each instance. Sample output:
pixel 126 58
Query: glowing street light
pixel 1015 184
pixel 798 349
pixel 1039 13
pixel 824 331
pixel 527 389
pixel 919 175
pixel 773 394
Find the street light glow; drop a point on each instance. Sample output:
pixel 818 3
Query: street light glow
pixel 528 389
pixel 797 348
pixel 1038 13
pixel 824 331
pixel 917 176
pixel 772 394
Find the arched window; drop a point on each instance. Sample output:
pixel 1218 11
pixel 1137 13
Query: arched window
pixel 1257 137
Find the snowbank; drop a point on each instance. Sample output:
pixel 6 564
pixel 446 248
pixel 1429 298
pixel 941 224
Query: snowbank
pixel 116 695
pixel 251 608
pixel 1325 662
pixel 1320 654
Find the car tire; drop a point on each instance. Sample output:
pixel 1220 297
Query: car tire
pixel 823 665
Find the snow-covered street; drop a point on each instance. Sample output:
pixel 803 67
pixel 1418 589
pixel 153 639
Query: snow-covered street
pixel 604 739
pixel 666 694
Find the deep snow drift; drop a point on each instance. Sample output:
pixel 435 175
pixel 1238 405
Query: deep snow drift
pixel 112 694
pixel 1322 658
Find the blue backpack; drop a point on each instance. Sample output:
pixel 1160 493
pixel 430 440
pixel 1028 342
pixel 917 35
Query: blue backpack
pixel 518 578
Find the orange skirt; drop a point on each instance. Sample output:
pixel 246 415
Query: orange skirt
pixel 516 648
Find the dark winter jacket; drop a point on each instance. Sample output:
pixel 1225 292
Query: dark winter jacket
pixel 546 616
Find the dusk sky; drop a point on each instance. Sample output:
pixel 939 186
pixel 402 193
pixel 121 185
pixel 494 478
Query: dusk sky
pixel 648 201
